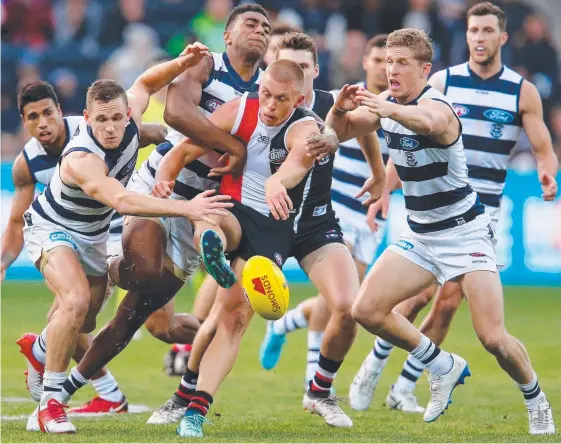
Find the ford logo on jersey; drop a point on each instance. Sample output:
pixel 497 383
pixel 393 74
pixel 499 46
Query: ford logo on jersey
pixel 461 110
pixel 498 116
pixel 408 144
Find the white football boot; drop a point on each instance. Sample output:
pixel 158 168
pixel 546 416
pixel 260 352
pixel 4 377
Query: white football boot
pixel 170 413
pixel 364 383
pixel 404 400
pixel 442 386
pixel 33 422
pixel 328 409
pixel 541 419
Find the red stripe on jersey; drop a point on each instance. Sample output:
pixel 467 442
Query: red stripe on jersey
pixel 232 185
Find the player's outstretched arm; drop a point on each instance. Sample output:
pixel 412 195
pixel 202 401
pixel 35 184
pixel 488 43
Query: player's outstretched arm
pixel 540 139
pixel 322 144
pixel 292 171
pixel 152 134
pixel 347 118
pixel 12 238
pixel 182 111
pixel 188 150
pixel 155 78
pixel 90 173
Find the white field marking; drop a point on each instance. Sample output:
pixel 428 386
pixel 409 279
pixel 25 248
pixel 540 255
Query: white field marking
pixel 133 408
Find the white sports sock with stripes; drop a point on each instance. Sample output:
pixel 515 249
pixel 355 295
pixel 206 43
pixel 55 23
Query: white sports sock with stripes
pixel 107 388
pixel 314 345
pixel 293 320
pixel 39 348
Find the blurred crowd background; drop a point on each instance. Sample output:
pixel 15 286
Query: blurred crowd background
pixel 70 43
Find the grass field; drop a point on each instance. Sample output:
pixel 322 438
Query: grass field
pixel 258 406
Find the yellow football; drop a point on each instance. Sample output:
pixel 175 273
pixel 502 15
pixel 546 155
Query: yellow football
pixel 265 288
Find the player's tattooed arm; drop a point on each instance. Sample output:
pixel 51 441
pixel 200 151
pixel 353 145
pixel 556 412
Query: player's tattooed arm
pixel 182 111
pixel 292 171
pixel 155 78
pixel 540 139
pixel 12 238
pixel 347 118
pixel 89 172
pixel 152 134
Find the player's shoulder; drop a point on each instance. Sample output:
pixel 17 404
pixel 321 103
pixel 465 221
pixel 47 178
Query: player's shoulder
pixel 73 122
pixel 21 171
pixel 510 75
pixel 33 148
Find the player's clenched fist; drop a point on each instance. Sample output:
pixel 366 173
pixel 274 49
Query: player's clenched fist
pixel 277 199
pixel 163 189
pixel 207 204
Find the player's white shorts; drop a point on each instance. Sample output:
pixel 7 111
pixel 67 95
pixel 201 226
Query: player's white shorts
pixel 363 243
pixel 451 253
pixel 42 236
pixel 179 234
pixel 494 214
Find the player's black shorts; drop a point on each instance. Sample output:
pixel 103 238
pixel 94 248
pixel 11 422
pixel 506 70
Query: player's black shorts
pixel 316 233
pixel 262 235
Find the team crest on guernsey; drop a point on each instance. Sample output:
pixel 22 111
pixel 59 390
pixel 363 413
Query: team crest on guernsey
pixel 213 104
pixel 497 130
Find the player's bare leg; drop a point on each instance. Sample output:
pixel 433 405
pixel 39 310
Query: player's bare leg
pixel 484 294
pixel 174 408
pixel 221 354
pixel 382 290
pixel 76 296
pixel 204 301
pixel 170 327
pixel 339 290
pixel 365 381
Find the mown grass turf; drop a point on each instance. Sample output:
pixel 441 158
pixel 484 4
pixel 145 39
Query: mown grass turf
pixel 258 406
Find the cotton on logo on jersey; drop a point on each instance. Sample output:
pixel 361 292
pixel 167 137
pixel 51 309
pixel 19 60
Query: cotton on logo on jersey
pixel 263 286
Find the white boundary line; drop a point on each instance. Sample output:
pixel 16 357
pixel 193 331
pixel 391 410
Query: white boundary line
pixel 133 408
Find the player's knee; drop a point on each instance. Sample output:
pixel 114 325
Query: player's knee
pixel 236 321
pixel 494 342
pixel 445 309
pixel 158 329
pixel 75 307
pixel 367 315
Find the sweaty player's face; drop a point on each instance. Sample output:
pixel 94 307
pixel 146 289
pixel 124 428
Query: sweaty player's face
pixel 108 121
pixel 249 34
pixel 484 38
pixel 374 64
pixel 305 60
pixel 277 100
pixel 405 73
pixel 43 120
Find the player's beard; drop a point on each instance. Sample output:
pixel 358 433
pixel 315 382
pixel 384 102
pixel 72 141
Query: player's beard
pixel 489 60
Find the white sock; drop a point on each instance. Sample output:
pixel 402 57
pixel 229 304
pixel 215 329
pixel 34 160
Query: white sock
pixel 52 387
pixel 380 353
pixel 39 348
pixel 532 392
pixel 410 373
pixel 314 345
pixel 436 360
pixel 293 320
pixel 107 388
pixel 74 381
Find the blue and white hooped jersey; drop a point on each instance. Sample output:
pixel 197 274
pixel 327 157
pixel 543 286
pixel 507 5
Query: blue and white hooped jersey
pixel 40 162
pixel 224 84
pixel 350 171
pixel 492 123
pixel 434 176
pixel 70 207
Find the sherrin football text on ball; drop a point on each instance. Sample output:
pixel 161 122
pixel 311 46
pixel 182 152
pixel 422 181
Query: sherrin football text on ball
pixel 265 288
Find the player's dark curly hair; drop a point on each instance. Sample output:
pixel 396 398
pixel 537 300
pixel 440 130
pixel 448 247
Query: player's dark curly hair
pixel 35 91
pixel 247 7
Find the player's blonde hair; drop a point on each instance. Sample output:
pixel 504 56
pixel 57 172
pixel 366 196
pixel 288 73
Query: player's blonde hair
pixel 415 39
pixel 286 71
